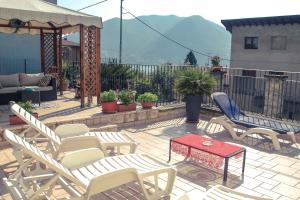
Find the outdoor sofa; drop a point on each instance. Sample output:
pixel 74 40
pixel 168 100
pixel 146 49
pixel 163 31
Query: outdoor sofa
pixel 12 85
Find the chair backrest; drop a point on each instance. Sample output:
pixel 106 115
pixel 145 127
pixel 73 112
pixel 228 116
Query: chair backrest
pixel 226 105
pixel 34 152
pixel 35 123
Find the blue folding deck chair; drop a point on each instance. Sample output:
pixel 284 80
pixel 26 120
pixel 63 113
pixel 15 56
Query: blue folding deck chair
pixel 234 116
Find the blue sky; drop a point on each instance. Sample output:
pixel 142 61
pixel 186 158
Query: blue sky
pixel 213 10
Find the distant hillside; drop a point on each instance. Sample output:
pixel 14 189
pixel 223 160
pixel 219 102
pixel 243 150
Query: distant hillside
pixel 144 46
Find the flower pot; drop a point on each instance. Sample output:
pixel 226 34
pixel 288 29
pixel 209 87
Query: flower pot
pixel 147 105
pixel 124 107
pixel 193 106
pixel 15 120
pixel 109 107
pixel 65 85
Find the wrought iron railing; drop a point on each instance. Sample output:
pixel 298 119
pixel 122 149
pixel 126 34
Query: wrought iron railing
pixel 268 93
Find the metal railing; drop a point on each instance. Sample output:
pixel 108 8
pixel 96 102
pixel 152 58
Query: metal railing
pixel 267 93
pixel 11 66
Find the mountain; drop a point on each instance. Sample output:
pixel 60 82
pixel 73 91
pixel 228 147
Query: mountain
pixel 142 45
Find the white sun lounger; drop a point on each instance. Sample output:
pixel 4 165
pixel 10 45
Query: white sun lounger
pixel 83 177
pixel 220 192
pixel 65 137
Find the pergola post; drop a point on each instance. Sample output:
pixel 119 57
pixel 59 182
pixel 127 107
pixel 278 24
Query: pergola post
pixel 59 61
pixel 51 54
pixel 89 64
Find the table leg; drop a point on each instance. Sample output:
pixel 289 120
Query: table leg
pixel 170 151
pixel 225 170
pixel 244 163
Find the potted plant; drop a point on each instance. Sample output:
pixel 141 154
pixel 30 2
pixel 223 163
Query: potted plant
pixel 193 84
pixel 65 73
pixel 108 101
pixel 127 101
pixel 147 100
pixel 215 61
pixel 15 120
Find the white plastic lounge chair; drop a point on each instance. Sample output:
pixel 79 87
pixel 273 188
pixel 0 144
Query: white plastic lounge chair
pixel 83 176
pixel 65 137
pixel 234 116
pixel 220 192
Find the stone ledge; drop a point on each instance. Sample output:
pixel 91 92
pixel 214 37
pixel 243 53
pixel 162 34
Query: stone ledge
pixel 111 122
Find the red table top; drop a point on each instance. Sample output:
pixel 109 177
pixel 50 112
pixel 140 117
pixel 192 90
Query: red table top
pixel 217 148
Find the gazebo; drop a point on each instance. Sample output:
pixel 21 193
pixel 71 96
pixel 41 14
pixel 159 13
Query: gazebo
pixel 51 22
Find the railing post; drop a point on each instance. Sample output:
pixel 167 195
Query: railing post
pixel 274 95
pixel 25 65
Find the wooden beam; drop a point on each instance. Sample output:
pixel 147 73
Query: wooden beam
pixel 59 60
pixel 82 83
pixel 42 50
pixel 51 25
pixel 98 65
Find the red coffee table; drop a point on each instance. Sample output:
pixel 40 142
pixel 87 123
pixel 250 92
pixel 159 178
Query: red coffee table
pixel 209 151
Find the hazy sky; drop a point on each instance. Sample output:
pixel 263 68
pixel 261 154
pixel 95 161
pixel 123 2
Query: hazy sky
pixel 213 10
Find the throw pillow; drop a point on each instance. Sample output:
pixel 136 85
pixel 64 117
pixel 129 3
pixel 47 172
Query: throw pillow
pixel 45 81
pixel 30 79
pixel 1 86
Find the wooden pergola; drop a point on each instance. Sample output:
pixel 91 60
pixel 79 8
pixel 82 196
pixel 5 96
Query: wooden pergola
pixel 51 22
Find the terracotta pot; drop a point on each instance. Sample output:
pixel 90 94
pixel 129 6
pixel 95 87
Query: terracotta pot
pixel 65 85
pixel 124 108
pixel 148 105
pixel 109 107
pixel 15 120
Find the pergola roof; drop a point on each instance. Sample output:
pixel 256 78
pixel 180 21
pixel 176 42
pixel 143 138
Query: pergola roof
pixel 44 15
pixel 289 19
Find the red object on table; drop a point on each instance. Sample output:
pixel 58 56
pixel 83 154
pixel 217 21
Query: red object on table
pixel 218 148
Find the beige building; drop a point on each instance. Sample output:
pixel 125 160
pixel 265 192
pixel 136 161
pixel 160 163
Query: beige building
pixel 268 43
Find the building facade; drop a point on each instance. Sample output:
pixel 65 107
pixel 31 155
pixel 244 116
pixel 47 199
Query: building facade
pixel 267 43
pixel 20 53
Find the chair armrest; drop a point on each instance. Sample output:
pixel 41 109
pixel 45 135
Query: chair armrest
pixel 53 83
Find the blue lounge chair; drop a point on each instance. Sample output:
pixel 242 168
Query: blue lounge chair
pixel 234 116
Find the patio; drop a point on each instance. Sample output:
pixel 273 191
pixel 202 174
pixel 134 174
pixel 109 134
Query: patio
pixel 268 173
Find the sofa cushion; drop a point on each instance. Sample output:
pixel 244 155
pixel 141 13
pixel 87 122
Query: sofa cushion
pixel 45 81
pixel 1 86
pixel 30 79
pixel 11 80
pixel 7 90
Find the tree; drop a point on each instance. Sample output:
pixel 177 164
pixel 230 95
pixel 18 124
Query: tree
pixel 190 59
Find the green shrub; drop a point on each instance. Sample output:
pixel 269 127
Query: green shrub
pixel 126 96
pixel 147 97
pixel 194 82
pixel 26 106
pixel 108 96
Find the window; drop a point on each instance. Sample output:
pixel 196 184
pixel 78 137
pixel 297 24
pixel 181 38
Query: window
pixel 278 43
pixel 251 42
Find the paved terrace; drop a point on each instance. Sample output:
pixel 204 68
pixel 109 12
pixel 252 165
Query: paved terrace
pixel 268 173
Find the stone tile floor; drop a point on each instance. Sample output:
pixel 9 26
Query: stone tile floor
pixel 268 173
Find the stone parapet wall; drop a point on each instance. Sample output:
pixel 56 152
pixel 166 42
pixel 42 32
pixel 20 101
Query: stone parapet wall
pixel 112 122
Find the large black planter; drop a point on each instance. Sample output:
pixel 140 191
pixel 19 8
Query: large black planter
pixel 193 106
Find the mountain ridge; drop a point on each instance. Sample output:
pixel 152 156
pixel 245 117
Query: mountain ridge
pixel 144 46
pixel 141 45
